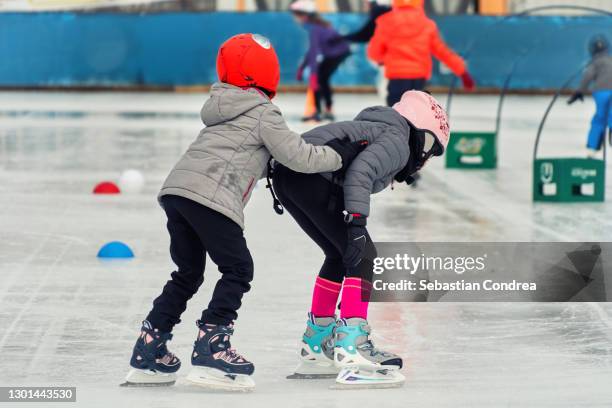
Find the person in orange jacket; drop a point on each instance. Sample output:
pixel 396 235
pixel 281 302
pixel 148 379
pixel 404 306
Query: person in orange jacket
pixel 404 42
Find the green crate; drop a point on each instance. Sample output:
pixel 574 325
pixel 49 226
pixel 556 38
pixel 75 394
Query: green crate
pixel 472 150
pixel 568 180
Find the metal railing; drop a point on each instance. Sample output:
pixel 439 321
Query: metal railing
pixel 519 6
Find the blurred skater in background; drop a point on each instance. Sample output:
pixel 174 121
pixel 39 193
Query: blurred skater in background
pixel 375 8
pixel 404 41
pixel 325 53
pixel 598 74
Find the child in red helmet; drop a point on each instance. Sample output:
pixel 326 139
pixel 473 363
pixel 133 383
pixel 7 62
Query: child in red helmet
pixel 204 197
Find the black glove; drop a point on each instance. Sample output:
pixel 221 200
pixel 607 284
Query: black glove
pixel 412 180
pixel 347 150
pixel 356 235
pixel 336 39
pixel 575 96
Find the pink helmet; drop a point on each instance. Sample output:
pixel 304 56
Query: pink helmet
pixel 303 6
pixel 425 114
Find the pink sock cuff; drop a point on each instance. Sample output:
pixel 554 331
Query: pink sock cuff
pixel 325 297
pixel 358 283
pixel 353 291
pixel 328 285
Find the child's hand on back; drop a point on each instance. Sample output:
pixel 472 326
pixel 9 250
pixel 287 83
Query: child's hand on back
pixel 347 150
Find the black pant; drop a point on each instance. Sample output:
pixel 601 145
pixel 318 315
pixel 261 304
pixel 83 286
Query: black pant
pixel 397 87
pixel 194 231
pixel 317 204
pixel 326 69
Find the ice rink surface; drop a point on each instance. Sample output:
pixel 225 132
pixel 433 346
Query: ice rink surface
pixel 67 318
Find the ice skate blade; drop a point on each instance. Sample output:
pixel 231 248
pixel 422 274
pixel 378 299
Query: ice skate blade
pixel 148 378
pixel 314 370
pixel 300 376
pixel 345 387
pixel 371 378
pixel 213 379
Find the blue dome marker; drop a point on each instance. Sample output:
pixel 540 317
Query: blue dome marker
pixel 115 249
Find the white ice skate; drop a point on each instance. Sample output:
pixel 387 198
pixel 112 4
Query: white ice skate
pixel 216 365
pixel 317 350
pixel 591 153
pixel 215 379
pixel 148 378
pixel 362 365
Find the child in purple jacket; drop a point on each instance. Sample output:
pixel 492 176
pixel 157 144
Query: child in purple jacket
pixel 326 52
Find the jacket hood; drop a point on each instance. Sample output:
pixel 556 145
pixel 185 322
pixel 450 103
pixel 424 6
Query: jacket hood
pixel 412 20
pixel 227 102
pixel 384 114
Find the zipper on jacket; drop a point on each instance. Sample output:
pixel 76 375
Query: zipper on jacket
pixel 246 193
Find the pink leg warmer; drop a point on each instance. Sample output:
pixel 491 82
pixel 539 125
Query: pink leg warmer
pixel 351 304
pixel 324 297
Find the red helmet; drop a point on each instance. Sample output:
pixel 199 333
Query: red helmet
pixel 249 60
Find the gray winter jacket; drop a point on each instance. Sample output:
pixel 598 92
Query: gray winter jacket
pixel 598 72
pixel 243 128
pixel 387 133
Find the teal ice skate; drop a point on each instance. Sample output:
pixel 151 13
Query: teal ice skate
pixel 317 350
pixel 361 364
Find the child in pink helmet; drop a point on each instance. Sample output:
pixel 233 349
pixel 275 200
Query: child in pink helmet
pixel 333 210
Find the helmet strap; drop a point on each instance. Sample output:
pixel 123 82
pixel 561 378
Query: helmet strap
pixel 265 91
pixel 416 141
pixel 261 90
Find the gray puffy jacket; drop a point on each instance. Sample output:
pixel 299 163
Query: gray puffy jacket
pixel 598 73
pixel 387 133
pixel 243 128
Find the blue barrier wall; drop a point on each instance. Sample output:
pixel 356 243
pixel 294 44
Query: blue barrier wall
pixel 180 48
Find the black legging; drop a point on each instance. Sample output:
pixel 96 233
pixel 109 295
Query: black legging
pixel 317 204
pixel 397 87
pixel 326 69
pixel 195 231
